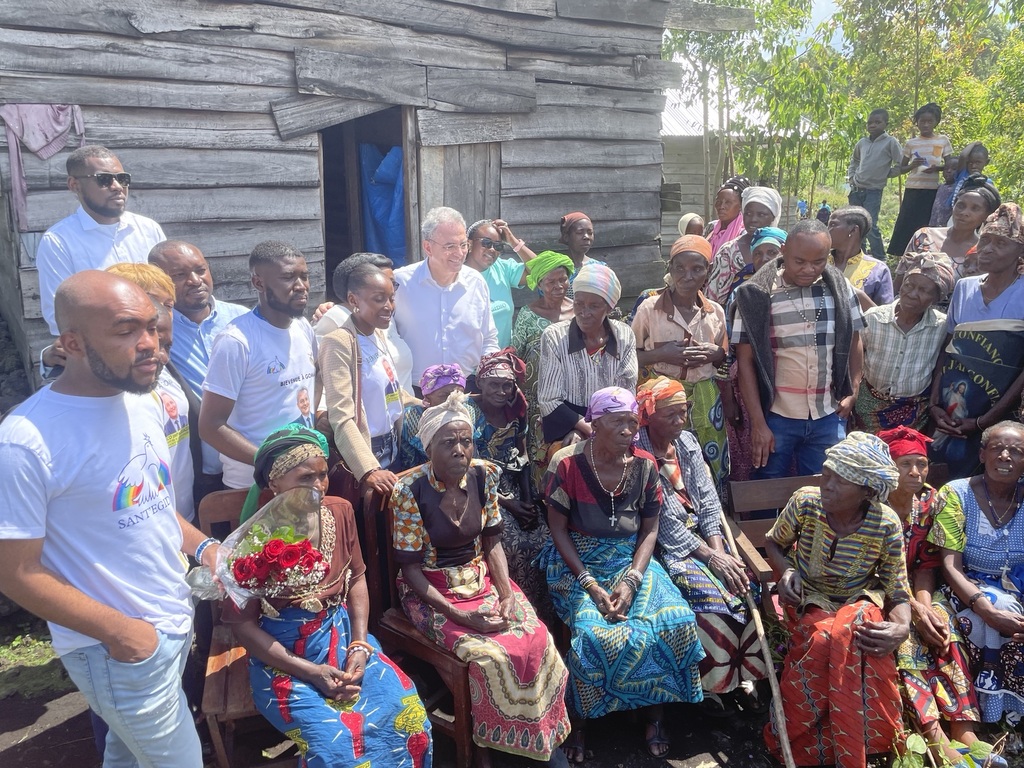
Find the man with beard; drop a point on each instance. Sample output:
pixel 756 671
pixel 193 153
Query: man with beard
pixel 89 539
pixel 259 363
pixel 100 233
pixel 198 319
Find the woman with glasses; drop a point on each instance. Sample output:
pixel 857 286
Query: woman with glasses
pixel 981 534
pixel 681 334
pixel 488 239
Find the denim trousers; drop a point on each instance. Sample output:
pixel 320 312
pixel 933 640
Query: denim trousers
pixel 871 200
pixel 806 440
pixel 142 703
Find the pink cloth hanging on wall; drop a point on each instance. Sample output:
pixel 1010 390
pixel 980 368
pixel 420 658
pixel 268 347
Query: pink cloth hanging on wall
pixel 44 129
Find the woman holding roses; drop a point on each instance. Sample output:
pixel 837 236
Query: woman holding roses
pixel 316 674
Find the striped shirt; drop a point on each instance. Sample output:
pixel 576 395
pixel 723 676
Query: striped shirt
pixel 898 363
pixel 802 337
pixel 868 563
pixel 569 374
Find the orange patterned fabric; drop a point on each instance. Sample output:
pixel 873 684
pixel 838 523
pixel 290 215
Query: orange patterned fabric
pixel 841 705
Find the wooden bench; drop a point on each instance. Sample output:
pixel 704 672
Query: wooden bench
pixel 227 697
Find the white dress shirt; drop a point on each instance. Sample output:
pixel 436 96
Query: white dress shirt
pixel 444 324
pixel 79 242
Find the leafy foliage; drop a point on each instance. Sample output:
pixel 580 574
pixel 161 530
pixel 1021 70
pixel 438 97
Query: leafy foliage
pixel 808 91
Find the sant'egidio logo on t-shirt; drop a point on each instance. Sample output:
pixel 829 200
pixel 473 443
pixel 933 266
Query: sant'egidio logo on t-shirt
pixel 142 480
pixel 275 366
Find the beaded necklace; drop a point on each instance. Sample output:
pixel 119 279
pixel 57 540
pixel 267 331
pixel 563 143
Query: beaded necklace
pixel 617 490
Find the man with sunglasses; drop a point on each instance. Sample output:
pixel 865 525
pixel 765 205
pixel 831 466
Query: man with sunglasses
pixel 100 233
pixel 443 308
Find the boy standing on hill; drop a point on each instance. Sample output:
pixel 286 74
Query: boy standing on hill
pixel 876 159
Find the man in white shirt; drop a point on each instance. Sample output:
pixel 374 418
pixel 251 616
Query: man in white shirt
pixel 259 363
pixel 100 233
pixel 198 319
pixel 89 539
pixel 442 307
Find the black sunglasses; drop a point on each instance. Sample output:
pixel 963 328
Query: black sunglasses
pixel 106 179
pixel 497 245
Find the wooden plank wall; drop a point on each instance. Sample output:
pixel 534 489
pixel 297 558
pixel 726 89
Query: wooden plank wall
pixel 684 165
pixel 214 108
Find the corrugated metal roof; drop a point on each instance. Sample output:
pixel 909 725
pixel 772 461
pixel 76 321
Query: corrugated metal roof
pixel 684 115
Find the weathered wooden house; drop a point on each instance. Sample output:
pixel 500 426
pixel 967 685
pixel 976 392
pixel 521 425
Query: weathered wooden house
pixel 243 121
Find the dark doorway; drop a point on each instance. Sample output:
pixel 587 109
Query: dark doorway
pixel 345 211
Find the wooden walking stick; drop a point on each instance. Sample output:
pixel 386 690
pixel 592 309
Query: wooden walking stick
pixel 766 652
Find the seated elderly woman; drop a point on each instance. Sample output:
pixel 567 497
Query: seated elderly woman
pixel 902 342
pixel 580 356
pixel 500 434
pixel 316 674
pixel 837 552
pixel 691 547
pixel 980 529
pixel 934 675
pixel 634 639
pixel 455 589
pixel 436 383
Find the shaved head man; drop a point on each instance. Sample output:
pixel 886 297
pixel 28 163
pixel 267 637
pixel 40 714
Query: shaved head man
pixel 90 540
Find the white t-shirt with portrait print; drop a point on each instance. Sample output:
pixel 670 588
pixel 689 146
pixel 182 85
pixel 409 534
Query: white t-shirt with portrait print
pixel 91 477
pixel 381 393
pixel 173 405
pixel 262 368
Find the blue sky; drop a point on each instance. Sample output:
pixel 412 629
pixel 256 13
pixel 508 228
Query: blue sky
pixel 821 10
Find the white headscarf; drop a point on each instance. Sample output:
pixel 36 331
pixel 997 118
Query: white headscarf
pixel 435 417
pixel 767 197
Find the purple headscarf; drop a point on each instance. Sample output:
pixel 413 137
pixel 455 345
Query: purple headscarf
pixel 436 376
pixel 611 400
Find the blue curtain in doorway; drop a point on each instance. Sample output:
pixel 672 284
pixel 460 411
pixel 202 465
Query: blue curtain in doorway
pixel 383 192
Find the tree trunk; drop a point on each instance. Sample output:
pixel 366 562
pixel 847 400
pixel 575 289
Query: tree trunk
pixel 707 143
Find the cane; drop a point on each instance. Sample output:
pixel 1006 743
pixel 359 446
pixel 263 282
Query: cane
pixel 780 713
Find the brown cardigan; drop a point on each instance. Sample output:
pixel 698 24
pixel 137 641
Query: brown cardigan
pixel 340 361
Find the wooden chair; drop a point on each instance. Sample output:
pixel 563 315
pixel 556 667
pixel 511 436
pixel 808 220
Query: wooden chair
pixel 400 638
pixel 227 697
pixel 750 496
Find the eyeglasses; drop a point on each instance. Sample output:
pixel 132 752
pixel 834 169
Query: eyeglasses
pixel 498 245
pixel 450 248
pixel 1016 453
pixel 106 179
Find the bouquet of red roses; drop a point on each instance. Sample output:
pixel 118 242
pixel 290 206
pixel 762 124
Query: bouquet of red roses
pixel 273 554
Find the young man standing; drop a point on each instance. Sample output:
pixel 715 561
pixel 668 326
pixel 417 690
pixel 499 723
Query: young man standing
pixel 876 159
pixel 259 363
pixel 799 372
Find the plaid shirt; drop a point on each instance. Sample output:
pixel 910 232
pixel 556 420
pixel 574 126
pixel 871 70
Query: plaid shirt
pixel 900 364
pixel 802 347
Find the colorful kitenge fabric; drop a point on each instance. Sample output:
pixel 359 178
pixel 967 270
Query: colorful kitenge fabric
pixel 651 658
pixel 707 423
pixel 871 275
pixel 875 411
pixel 517 677
pixel 500 446
pixel 997 661
pixel 410 451
pixel 526 340
pixel 868 563
pixel 841 704
pixel 933 686
pixel 385 726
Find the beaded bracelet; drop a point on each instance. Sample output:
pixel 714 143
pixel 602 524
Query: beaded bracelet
pixel 584 575
pixel 587 583
pixel 637 574
pixel 202 548
pixel 359 645
pixel 974 598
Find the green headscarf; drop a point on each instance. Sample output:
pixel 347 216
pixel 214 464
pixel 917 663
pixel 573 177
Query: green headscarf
pixel 544 262
pixel 274 448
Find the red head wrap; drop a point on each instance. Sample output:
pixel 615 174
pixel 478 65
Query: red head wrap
pixel 904 441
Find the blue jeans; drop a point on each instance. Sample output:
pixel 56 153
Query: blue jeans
pixel 871 200
pixel 142 703
pixel 805 439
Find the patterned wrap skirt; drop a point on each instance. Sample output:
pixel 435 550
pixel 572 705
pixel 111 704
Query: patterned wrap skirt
pixel 841 704
pixel 651 658
pixel 707 423
pixel 728 636
pixel 937 687
pixel 385 726
pixel 517 679
pixel 998 661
